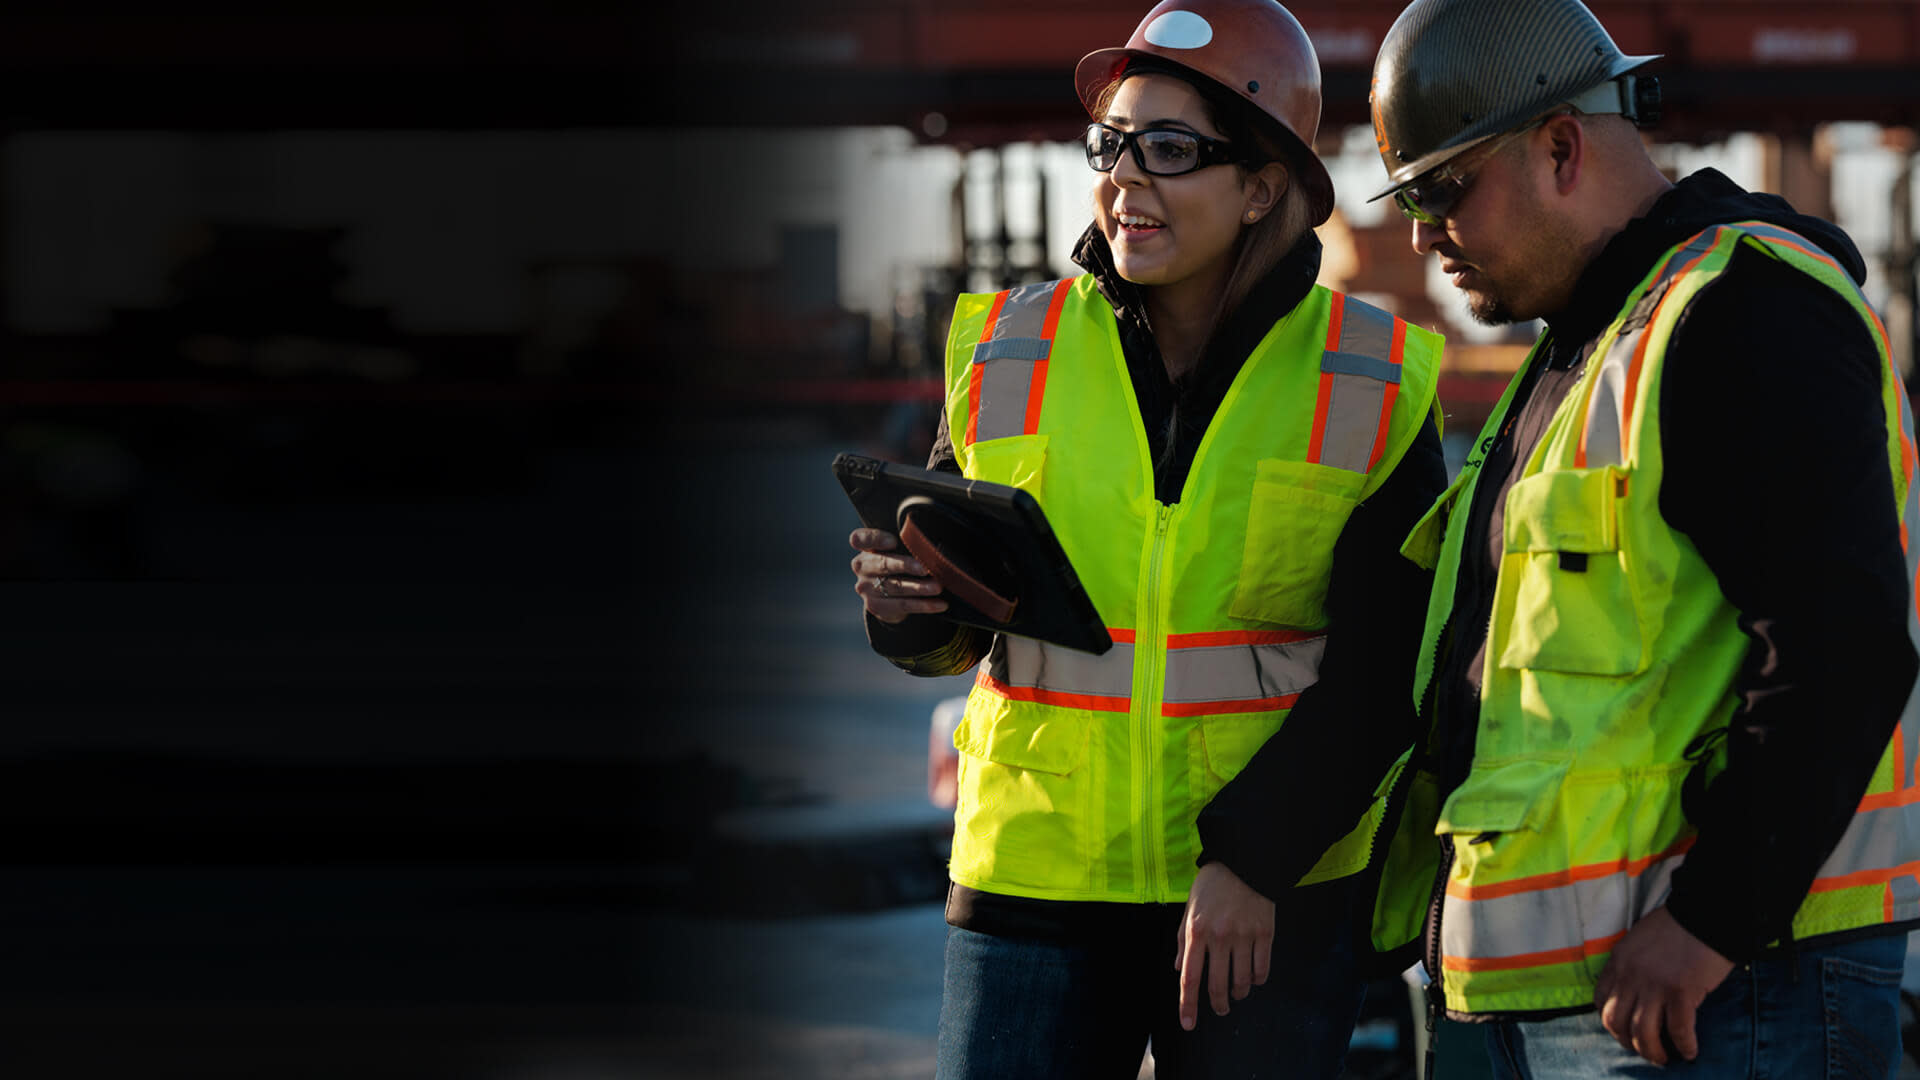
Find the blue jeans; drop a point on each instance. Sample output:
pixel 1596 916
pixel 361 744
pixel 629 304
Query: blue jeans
pixel 1835 1013
pixel 1016 1008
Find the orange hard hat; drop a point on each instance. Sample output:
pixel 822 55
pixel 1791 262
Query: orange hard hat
pixel 1256 49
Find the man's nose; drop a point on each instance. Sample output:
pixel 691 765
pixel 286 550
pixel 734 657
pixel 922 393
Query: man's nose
pixel 1425 236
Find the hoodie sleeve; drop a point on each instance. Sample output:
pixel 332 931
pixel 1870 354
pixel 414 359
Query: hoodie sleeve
pixel 927 644
pixel 1775 442
pixel 1304 789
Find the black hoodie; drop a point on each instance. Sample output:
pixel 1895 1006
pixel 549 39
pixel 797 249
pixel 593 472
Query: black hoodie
pixel 1776 468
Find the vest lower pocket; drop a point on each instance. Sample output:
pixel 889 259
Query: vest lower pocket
pixel 1296 514
pixel 1566 598
pixel 1025 796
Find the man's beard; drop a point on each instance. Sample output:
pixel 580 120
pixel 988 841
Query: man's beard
pixel 1490 309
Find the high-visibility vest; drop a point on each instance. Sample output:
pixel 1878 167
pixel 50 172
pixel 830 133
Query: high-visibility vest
pixel 1610 667
pixel 1081 776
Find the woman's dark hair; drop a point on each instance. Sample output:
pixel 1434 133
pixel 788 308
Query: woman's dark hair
pixel 1258 137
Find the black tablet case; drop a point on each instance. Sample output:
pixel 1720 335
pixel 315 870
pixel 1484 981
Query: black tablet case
pixel 994 547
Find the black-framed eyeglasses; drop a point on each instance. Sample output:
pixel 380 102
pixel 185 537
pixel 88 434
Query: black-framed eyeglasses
pixel 1160 151
pixel 1429 199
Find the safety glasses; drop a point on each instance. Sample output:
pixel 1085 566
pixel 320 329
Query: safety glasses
pixel 1160 151
pixel 1432 197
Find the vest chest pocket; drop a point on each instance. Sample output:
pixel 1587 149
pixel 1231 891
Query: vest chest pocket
pixel 1566 598
pixel 1018 460
pixel 1297 512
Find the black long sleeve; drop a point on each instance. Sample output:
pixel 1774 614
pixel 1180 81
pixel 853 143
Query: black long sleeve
pixel 1312 780
pixel 928 644
pixel 1775 443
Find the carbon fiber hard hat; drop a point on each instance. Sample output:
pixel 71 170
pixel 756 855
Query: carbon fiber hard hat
pixel 1255 49
pixel 1454 73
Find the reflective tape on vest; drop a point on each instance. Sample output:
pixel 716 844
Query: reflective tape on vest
pixel 1610 408
pixel 1869 852
pixel 1239 671
pixel 1359 380
pixel 1906 737
pixel 1023 669
pixel 1009 376
pixel 1206 674
pixel 1547 919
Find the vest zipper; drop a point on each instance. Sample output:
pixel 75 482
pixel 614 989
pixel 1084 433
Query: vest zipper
pixel 1436 986
pixel 1149 808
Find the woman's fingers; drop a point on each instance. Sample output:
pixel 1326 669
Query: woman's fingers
pixel 893 586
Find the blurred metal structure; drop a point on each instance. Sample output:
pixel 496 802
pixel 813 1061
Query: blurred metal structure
pixel 983 72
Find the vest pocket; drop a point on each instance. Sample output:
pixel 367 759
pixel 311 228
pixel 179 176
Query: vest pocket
pixel 1023 813
pixel 1295 516
pixel 1564 582
pixel 1019 460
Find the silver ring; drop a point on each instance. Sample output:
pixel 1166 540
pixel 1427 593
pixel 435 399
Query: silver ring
pixel 881 587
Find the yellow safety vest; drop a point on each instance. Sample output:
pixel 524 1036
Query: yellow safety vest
pixel 1611 650
pixel 1081 776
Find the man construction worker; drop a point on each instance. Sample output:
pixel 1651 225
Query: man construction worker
pixel 1669 647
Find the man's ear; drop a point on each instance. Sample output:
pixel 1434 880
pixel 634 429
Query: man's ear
pixel 1266 186
pixel 1567 146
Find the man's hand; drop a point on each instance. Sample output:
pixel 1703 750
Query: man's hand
pixel 1227 932
pixel 1655 979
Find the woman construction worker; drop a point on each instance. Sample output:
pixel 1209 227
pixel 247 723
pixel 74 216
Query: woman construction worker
pixel 1231 456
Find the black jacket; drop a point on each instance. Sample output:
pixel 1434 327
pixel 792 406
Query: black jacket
pixel 1776 468
pixel 1307 786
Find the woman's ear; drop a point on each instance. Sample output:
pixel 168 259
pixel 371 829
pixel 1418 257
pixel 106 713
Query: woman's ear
pixel 1265 187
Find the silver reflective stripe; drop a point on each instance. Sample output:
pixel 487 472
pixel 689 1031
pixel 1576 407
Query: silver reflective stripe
pixel 1242 672
pixel 1024 314
pixel 1906 897
pixel 1606 410
pixel 1880 839
pixel 1562 917
pixel 1358 363
pixel 1035 665
pixel 1006 360
pixel 1353 422
pixel 1365 330
pixel 1609 398
pixel 1909 732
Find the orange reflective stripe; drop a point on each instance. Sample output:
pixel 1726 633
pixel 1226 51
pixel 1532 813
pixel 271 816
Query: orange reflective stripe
pixel 973 380
pixel 1334 313
pixel 1537 959
pixel 1037 391
pixel 1562 878
pixel 1901 796
pixel 1864 877
pixel 1320 409
pixel 1055 306
pixel 1210 708
pixel 1091 702
pixel 1640 352
pixel 1120 636
pixel 1325 402
pixel 1393 391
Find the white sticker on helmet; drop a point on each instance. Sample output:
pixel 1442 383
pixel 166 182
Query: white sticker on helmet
pixel 1179 30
